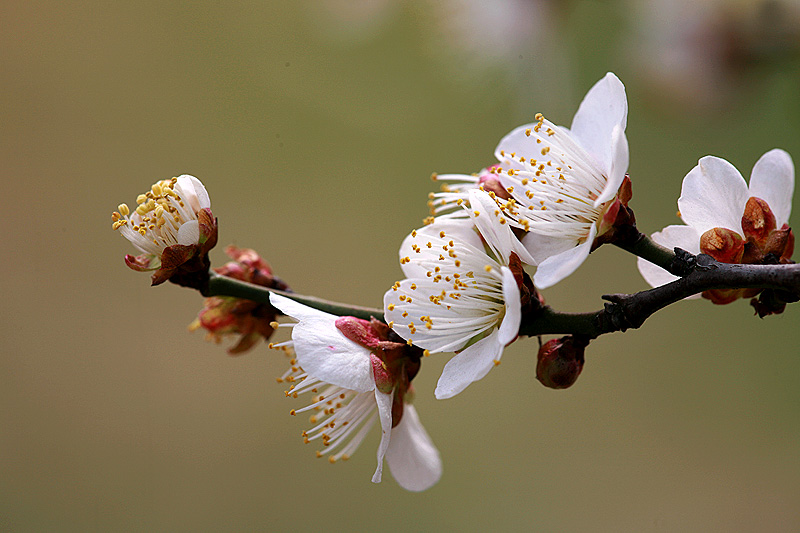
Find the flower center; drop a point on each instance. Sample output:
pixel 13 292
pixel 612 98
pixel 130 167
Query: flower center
pixel 552 187
pixel 158 216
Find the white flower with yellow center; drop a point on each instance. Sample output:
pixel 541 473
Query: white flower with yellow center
pixel 165 216
pixel 455 298
pixel 553 185
pixel 347 400
pixel 172 226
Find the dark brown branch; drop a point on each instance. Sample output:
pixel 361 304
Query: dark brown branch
pixel 626 311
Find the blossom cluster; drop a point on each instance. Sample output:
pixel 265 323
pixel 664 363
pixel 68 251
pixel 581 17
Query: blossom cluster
pixel 553 196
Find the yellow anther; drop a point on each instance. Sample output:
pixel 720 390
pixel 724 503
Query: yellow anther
pixel 390 307
pixel 487 268
pixel 123 209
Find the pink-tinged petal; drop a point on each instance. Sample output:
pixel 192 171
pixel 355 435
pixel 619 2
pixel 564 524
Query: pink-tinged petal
pixel 385 416
pixel 323 351
pixel 468 366
pixel 195 193
pixel 412 458
pixel 619 165
pixel 713 196
pixel 772 180
pixel 604 108
pixel 557 267
pixel 543 246
pixel 189 233
pixel 509 328
pixel 684 237
pixel 500 237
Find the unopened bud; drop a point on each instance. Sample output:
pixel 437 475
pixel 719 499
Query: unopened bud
pixel 780 243
pixel 724 245
pixel 560 362
pixel 758 220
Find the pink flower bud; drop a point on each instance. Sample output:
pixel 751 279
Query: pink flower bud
pixel 560 361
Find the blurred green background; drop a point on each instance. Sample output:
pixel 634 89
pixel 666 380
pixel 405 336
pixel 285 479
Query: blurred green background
pixel 315 126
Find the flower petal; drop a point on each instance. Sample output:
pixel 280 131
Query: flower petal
pixel 384 401
pixel 772 180
pixel 323 351
pixel 499 235
pixel 468 366
pixel 189 233
pixel 460 229
pixel 413 459
pixel 559 266
pixel 713 195
pixel 543 246
pixel 619 165
pixel 604 107
pixel 509 328
pixel 684 237
pixel 517 141
pixel 193 192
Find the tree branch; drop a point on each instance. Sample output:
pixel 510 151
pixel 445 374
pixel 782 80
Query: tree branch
pixel 219 285
pixel 631 310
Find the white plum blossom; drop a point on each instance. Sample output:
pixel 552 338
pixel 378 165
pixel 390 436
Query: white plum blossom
pixel 165 215
pixel 716 202
pixel 172 226
pixel 554 185
pixel 347 402
pixel 455 298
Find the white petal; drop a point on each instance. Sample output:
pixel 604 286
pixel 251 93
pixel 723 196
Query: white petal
pixel 189 233
pixel 459 229
pixel 619 165
pixel 515 142
pixel 558 267
pixel 509 328
pixel 323 351
pixel 499 236
pixel 412 458
pixel 194 193
pixel 543 246
pixel 684 237
pixel 460 325
pixel 772 180
pixel 604 107
pixel 470 365
pixel 385 414
pixel 713 195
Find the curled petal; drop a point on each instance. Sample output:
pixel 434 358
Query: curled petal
pixel 412 458
pixel 194 193
pixel 385 415
pixel 494 228
pixel 509 328
pixel 772 180
pixel 468 366
pixel 618 167
pixel 559 266
pixel 604 108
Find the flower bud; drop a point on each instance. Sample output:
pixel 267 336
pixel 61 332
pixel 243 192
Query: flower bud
pixel 560 361
pixel 724 245
pixel 758 220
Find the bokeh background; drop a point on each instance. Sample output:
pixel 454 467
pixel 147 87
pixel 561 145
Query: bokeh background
pixel 315 126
